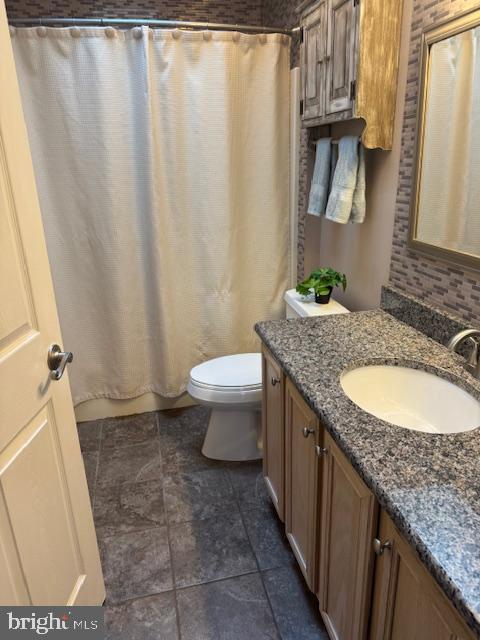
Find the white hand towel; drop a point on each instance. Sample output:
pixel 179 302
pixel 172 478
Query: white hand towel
pixel 340 201
pixel 359 203
pixel 321 178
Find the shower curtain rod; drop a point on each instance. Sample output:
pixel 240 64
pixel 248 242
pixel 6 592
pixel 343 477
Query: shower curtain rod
pixel 132 22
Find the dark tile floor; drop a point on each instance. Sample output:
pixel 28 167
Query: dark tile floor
pixel 191 548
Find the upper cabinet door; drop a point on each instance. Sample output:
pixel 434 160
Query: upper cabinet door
pixel 313 59
pixel 341 55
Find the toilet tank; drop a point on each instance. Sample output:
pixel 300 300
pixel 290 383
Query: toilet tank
pixel 297 306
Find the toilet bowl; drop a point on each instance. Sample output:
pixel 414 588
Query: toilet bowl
pixel 232 387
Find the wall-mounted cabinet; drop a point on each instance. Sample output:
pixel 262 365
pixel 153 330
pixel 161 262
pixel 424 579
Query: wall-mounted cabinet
pixel 368 580
pixel 349 64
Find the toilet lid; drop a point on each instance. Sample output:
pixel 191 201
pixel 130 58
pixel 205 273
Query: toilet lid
pixel 240 370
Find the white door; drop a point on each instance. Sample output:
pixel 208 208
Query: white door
pixel 48 548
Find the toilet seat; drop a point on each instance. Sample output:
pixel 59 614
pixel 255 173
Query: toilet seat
pixel 235 379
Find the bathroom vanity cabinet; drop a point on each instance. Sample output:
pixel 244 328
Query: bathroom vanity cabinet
pixel 367 578
pixel 343 44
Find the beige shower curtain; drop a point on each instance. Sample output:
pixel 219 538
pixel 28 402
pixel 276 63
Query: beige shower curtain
pixel 162 166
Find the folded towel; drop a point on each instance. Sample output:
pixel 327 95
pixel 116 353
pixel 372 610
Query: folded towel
pixel 339 206
pixel 359 204
pixel 321 178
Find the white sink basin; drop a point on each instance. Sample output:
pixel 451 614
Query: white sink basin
pixel 412 399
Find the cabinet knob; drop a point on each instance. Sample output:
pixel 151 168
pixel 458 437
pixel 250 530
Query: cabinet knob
pixel 274 380
pixel 307 431
pixel 321 451
pixel 379 547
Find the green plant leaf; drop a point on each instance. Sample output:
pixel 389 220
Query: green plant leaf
pixel 320 280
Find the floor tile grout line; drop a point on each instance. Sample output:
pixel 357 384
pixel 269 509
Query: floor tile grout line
pixel 102 536
pixel 129 483
pixel 121 447
pixel 167 524
pixel 189 586
pixel 215 580
pixel 261 577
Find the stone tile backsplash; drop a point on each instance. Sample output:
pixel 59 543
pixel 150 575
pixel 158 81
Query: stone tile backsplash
pixel 423 316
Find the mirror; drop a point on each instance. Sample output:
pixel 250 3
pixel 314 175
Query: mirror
pixel 445 206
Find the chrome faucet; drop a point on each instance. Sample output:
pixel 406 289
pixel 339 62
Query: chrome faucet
pixel 473 361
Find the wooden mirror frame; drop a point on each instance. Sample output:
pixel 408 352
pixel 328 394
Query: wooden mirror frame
pixel 443 30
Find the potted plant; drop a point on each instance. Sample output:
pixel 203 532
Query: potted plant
pixel 321 282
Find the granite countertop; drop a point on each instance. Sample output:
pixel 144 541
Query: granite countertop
pixel 429 484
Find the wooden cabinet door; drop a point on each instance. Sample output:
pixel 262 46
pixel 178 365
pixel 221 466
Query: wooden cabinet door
pixel 407 603
pixel 348 523
pixel 301 480
pixel 313 54
pixel 273 431
pixel 341 54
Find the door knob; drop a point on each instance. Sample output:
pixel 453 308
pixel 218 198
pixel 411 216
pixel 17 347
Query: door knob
pixel 307 431
pixel 274 381
pixel 57 360
pixel 321 451
pixel 379 547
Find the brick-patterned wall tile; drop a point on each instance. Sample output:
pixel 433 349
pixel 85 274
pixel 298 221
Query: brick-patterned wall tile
pixel 451 288
pixel 232 11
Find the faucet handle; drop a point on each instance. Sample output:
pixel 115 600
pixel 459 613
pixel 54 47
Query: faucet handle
pixel 472 360
pixel 472 363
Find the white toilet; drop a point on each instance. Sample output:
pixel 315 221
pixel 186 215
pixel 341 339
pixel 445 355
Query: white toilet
pixel 232 387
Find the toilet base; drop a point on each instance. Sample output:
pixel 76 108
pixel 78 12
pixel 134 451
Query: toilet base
pixel 233 435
